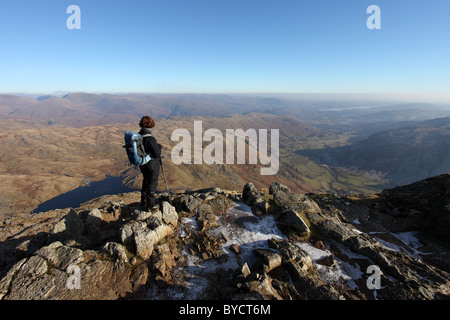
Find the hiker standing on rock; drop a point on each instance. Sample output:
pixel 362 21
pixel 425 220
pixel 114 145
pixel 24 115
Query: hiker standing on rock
pixel 150 170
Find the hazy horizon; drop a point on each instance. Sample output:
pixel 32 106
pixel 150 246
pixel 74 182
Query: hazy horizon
pixel 372 97
pixel 228 47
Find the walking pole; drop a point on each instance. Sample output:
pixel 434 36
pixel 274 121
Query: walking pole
pixel 165 180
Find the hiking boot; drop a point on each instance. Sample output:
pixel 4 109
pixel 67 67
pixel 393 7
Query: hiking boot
pixel 153 208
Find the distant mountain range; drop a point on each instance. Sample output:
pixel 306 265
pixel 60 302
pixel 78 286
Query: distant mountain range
pixel 84 108
pixel 81 109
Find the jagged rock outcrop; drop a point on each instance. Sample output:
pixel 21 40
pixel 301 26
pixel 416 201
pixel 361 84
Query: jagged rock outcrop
pixel 404 272
pixel 319 247
pixel 425 204
pixel 110 247
pixel 108 250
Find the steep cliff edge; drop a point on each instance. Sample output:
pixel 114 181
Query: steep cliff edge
pixel 218 244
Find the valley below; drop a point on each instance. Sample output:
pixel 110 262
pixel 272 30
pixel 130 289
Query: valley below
pixel 47 153
pixel 39 164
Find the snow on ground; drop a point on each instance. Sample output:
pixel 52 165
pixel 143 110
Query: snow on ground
pixel 410 239
pixel 405 242
pixel 340 272
pixel 250 232
pixel 240 226
pixel 194 279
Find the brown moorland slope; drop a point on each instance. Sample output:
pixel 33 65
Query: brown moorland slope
pixel 38 163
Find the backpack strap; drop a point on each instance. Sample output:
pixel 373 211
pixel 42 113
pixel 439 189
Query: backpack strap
pixel 143 136
pixel 141 145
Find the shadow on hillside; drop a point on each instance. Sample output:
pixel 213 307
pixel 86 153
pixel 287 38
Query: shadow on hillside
pixel 342 178
pixel 73 199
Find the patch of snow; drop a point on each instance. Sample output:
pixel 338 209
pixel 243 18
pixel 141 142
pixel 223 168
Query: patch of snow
pixel 340 272
pixel 196 278
pixel 250 232
pixel 241 227
pixel 313 252
pixel 350 273
pixel 188 221
pixel 410 239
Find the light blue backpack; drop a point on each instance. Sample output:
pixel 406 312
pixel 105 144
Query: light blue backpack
pixel 135 149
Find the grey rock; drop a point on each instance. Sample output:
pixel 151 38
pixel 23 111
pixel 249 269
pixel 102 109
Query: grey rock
pixel 60 255
pixel 169 214
pixel 153 222
pixel 190 203
pixel 219 204
pixel 335 229
pixel 146 239
pixel 30 280
pixel 300 203
pixel 250 194
pixel 276 186
pixel 115 250
pixel 5 283
pixel 35 278
pixel 141 215
pixel 127 231
pixel 245 270
pixel 69 227
pixel 271 258
pixel 293 220
pixel 94 217
pixel 254 199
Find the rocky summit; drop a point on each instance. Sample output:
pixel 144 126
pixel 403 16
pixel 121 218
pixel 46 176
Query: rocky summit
pixel 218 244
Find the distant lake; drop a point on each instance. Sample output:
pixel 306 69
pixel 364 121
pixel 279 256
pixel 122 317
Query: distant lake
pixel 74 198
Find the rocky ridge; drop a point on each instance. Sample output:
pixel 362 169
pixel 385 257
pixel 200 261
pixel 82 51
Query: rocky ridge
pixel 311 246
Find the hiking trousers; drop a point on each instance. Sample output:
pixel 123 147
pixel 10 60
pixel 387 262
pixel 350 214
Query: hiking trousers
pixel 150 173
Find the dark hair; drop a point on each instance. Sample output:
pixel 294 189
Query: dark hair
pixel 147 122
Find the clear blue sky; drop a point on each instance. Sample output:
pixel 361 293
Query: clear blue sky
pixel 225 46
